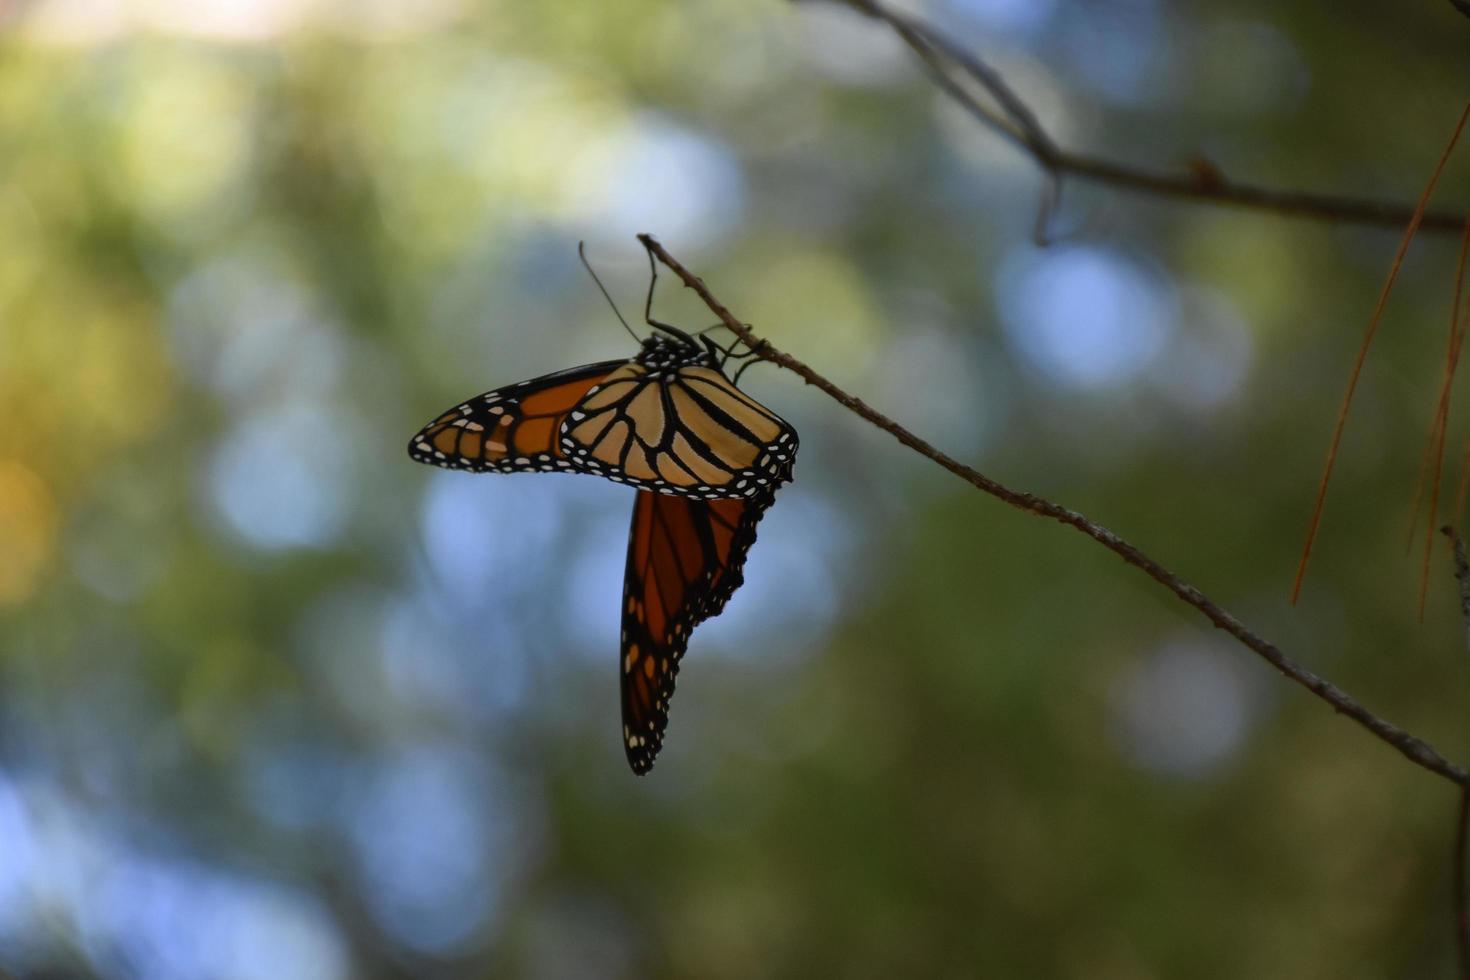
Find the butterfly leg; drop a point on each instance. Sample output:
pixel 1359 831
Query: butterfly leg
pixel 648 303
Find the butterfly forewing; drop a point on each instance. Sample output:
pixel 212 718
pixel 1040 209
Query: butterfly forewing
pixel 684 430
pixel 685 559
pixel 512 429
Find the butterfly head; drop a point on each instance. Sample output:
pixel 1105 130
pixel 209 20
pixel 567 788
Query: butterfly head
pixel 666 352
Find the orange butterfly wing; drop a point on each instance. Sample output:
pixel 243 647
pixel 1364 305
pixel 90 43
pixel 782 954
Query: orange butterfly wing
pixel 512 429
pixel 685 559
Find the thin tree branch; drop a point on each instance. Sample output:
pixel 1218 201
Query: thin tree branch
pixel 1415 749
pixel 943 58
pixel 1463 6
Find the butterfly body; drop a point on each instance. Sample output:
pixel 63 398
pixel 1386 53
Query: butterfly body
pixel 706 458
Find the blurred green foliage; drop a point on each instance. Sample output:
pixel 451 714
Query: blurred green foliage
pixel 275 702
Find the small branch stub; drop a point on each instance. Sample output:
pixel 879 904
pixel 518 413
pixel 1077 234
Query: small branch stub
pixel 1462 576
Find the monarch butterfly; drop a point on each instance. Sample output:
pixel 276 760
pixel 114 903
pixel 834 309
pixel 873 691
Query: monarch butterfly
pixel 706 458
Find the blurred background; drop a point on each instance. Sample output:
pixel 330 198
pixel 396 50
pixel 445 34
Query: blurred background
pixel 277 703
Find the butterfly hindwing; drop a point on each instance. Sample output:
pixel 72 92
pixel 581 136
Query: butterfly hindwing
pixel 512 429
pixel 685 559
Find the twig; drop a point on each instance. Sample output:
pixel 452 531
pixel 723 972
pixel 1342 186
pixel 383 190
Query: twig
pixel 1415 749
pixel 1463 6
pixel 942 55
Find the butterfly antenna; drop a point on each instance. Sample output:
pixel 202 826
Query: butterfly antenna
pixel 582 254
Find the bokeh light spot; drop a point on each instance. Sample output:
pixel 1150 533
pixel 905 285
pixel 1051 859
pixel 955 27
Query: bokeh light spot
pixel 1019 17
pixel 436 843
pixel 28 525
pixel 654 174
pixel 281 480
pixel 186 142
pixel 489 537
pixel 174 921
pixel 1085 317
pixel 1184 710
